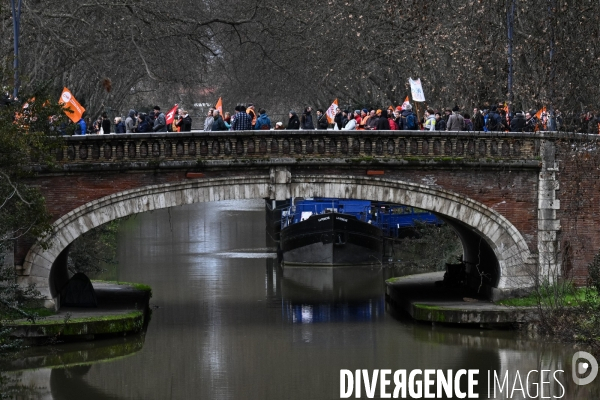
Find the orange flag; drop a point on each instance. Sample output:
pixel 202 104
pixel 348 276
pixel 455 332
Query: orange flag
pixel 70 103
pixel 406 102
pixel 331 111
pixel 219 106
pixel 171 114
pixel 538 115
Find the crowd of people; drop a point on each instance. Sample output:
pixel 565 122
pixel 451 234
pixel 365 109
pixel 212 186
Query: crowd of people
pixel 496 118
pixel 135 122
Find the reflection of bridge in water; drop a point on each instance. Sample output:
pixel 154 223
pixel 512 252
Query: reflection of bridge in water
pixel 499 191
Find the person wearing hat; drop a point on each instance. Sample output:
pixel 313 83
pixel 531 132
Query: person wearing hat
pixel 357 117
pixel 456 122
pixel 364 118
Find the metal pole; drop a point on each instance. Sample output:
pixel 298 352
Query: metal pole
pixel 16 16
pixel 510 19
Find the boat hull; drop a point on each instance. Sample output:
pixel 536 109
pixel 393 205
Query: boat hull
pixel 331 239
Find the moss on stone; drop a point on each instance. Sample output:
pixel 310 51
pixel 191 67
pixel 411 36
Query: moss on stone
pixel 101 325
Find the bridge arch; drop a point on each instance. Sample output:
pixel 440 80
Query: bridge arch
pixel 504 245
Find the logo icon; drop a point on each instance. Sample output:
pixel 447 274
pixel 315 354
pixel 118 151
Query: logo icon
pixel 66 97
pixel 582 367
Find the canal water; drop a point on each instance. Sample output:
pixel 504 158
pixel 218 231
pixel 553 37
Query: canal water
pixel 227 323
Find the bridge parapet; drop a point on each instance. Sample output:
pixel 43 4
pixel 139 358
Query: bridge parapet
pixel 150 149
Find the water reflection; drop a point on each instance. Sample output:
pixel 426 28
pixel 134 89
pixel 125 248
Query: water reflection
pixel 229 327
pixel 332 294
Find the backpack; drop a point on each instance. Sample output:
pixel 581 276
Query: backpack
pixel 494 123
pixel 410 122
pixel 468 126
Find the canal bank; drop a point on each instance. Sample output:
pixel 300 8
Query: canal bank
pixel 123 308
pixel 426 301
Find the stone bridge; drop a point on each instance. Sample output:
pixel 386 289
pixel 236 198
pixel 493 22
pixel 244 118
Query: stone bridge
pixel 499 191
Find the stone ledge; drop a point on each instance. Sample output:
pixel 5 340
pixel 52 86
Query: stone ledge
pixel 419 296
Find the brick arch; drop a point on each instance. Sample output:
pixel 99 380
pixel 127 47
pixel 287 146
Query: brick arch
pixel 505 241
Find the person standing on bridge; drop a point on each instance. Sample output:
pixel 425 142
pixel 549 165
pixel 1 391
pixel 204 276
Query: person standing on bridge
pixel 105 123
pixel 185 121
pixel 251 114
pixel 456 122
pixel 307 119
pixel 218 123
pixel 209 120
pixel 294 121
pixel 263 122
pixel 242 120
pixel 478 122
pixel 160 122
pixel 322 121
pixel 130 122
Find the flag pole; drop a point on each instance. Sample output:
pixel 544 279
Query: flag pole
pixel 418 114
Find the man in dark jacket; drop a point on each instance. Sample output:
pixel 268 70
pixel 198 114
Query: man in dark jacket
pixel 218 123
pixel 307 119
pixel 382 123
pixel 294 122
pixel 494 122
pixel 440 123
pixel 518 122
pixel 408 119
pixel 477 119
pixel 160 122
pixel 322 121
pixel 339 118
pixel 185 121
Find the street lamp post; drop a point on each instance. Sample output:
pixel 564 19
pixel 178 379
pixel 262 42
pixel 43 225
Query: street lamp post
pixel 16 16
pixel 510 20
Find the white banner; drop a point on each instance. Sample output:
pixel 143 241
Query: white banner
pixel 417 90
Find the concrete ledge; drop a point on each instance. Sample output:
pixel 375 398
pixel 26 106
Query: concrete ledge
pixel 122 309
pixel 424 301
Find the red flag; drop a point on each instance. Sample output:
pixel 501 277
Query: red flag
pixel 331 111
pixel 219 106
pixel 171 114
pixel 406 102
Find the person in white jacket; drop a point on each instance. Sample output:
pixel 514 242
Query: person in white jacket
pixel 430 120
pixel 351 124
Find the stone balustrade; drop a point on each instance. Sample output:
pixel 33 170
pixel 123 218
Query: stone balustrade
pixel 298 145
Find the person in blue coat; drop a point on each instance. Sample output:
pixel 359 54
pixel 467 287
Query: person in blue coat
pixel 81 127
pixel 263 121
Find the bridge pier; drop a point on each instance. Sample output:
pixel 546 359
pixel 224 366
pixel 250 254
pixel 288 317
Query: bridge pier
pixel 549 259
